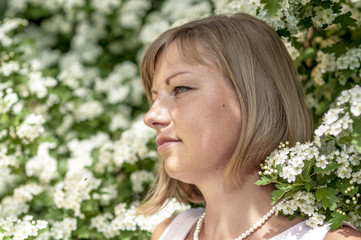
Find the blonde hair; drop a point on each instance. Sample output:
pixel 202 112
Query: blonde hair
pixel 253 58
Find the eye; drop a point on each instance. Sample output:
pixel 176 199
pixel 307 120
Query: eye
pixel 180 89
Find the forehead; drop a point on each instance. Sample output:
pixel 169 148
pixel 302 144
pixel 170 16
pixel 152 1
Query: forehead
pixel 175 56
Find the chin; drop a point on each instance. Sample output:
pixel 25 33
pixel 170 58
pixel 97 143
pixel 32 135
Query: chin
pixel 177 172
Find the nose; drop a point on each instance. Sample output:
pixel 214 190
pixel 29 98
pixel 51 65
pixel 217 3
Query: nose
pixel 158 115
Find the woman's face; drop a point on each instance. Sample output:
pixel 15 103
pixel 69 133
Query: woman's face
pixel 196 115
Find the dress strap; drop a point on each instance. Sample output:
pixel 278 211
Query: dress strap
pixel 182 224
pixel 303 232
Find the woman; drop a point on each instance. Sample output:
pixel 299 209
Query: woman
pixel 224 94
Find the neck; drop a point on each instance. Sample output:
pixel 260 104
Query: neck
pixel 230 213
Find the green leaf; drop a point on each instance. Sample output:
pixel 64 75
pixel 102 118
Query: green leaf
pixel 82 233
pixel 336 8
pixel 342 187
pixel 272 6
pixel 277 195
pixel 307 54
pixel 356 36
pixel 305 23
pixel 307 169
pixel 337 220
pixel 338 49
pixel 2 230
pixel 90 207
pixel 353 192
pixel 328 197
pixel 346 20
pixel 322 180
pixel 283 186
pixel 263 181
pixel 329 167
pixel 326 4
pixel 308 186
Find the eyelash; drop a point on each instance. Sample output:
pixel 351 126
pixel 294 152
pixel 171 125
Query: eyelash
pixel 176 89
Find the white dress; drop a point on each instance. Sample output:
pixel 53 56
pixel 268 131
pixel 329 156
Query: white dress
pixel 183 223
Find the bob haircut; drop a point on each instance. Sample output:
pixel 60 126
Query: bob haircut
pixel 253 58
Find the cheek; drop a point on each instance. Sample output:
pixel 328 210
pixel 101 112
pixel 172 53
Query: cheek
pixel 211 128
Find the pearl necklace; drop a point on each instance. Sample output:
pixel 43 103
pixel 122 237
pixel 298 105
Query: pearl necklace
pixel 243 235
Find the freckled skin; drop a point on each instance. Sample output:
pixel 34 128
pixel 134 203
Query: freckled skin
pixel 206 117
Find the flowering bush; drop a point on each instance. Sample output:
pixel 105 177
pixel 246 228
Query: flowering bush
pixel 75 157
pixel 320 180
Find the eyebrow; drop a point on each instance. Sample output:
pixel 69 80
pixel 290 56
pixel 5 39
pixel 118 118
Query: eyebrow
pixel 167 80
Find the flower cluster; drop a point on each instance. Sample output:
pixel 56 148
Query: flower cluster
pixel 17 204
pixel 133 144
pixel 31 128
pixel 7 100
pixel 74 190
pixel 60 230
pixel 350 60
pixel 21 229
pixel 125 218
pixel 43 165
pixel 320 180
pixel 73 148
pixel 139 178
pixel 322 16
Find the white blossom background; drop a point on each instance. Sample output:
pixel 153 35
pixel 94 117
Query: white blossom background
pixel 75 156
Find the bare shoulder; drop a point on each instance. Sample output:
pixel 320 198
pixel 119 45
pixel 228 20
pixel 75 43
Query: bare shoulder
pixel 345 232
pixel 159 229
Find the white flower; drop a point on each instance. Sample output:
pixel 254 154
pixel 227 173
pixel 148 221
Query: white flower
pixel 323 16
pixel 297 161
pixel 119 121
pixel 133 144
pixel 350 60
pixel 132 12
pixel 327 62
pixel 88 110
pixel 152 30
pixel 6 27
pixel 288 208
pixel 138 178
pixel 332 115
pixel 356 177
pixel 38 84
pixel 315 220
pixel 288 173
pixel 8 68
pixel 304 2
pixel 343 98
pixel 62 230
pixel 105 6
pixel 321 162
pixel 16 204
pixel 356 109
pixel 75 189
pixel 307 209
pixel 31 128
pixel 355 93
pixel 294 53
pixel 42 165
pixel 7 100
pixel 236 6
pixel 344 171
pixel 321 130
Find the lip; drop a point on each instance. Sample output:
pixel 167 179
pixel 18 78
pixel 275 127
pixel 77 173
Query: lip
pixel 164 142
